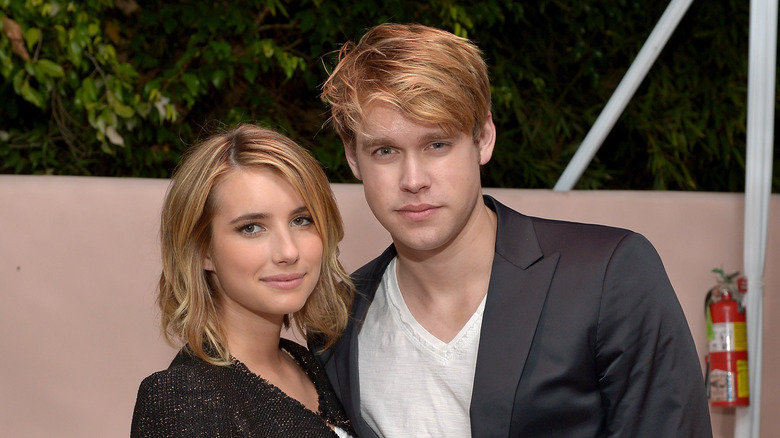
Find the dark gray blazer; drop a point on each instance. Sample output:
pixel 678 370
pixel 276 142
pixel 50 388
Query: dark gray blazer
pixel 582 336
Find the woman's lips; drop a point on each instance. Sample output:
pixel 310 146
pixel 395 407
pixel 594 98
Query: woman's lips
pixel 284 281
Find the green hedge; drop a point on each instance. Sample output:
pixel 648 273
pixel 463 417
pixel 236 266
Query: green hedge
pixel 119 88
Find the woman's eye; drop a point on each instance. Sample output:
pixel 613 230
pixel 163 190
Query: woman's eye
pixel 302 221
pixel 251 229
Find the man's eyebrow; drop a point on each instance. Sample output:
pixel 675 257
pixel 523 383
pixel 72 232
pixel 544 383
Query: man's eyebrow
pixel 371 142
pixel 434 136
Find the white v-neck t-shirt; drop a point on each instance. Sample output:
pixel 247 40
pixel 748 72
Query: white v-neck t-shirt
pixel 412 383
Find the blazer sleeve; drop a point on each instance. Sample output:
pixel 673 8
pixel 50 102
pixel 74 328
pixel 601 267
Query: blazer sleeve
pixel 149 416
pixel 648 370
pixel 162 409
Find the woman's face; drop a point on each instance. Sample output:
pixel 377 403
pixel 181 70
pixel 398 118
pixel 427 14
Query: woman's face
pixel 265 252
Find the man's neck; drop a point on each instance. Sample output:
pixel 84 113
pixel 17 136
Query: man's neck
pixel 443 289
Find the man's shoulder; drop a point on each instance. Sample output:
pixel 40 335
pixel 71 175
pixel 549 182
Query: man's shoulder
pixel 508 216
pixel 553 235
pixel 594 229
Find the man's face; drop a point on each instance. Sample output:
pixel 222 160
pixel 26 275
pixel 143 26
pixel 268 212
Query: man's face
pixel 421 183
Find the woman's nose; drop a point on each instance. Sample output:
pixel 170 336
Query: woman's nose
pixel 285 250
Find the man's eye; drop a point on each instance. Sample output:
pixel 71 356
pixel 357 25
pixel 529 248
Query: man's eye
pixel 437 145
pixel 384 151
pixel 302 221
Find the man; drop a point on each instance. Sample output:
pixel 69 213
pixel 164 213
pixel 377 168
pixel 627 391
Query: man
pixel 480 321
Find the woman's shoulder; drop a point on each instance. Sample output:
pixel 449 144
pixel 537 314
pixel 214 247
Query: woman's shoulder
pixel 183 400
pixel 185 374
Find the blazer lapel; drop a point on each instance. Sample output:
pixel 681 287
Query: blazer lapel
pixel 366 281
pixel 347 381
pixel 519 282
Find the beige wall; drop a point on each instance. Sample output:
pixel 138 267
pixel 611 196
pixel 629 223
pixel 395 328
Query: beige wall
pixel 79 264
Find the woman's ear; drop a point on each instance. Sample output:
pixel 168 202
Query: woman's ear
pixel 208 264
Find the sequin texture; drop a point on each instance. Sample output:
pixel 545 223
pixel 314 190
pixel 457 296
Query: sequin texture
pixel 195 399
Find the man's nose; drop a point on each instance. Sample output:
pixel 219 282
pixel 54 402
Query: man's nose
pixel 414 175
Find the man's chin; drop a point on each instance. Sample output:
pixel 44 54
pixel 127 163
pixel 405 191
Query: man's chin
pixel 417 242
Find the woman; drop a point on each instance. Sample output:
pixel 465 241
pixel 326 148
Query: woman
pixel 249 236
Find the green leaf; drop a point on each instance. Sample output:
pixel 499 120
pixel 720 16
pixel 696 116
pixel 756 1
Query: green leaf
pixel 217 78
pixel 51 69
pixel 250 72
pixel 123 110
pixel 31 37
pixel 18 80
pixel 30 68
pixel 104 145
pixel 74 53
pixel 93 29
pixel 268 48
pixel 221 49
pixel 32 95
pixel 192 82
pixel 89 90
pixel 107 118
pixel 6 64
pixel 62 35
pixel 170 113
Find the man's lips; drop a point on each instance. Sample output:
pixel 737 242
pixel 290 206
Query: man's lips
pixel 417 211
pixel 283 281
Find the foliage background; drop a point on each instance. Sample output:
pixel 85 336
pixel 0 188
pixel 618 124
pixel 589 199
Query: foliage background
pixel 119 88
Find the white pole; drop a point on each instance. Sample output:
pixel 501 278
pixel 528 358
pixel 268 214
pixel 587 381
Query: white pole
pixel 623 93
pixel 758 188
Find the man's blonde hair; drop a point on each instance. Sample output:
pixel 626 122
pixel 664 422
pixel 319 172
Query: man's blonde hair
pixel 186 297
pixel 429 75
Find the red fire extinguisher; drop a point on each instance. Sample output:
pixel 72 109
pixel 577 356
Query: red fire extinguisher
pixel 727 363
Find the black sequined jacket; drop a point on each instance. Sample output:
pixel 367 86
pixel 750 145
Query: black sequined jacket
pixel 195 399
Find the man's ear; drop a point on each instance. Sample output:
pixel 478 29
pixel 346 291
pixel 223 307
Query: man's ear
pixel 487 140
pixel 351 153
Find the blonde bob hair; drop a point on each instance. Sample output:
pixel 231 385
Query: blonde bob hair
pixel 186 298
pixel 431 76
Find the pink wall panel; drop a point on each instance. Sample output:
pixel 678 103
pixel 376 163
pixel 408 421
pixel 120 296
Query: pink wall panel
pixel 79 263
